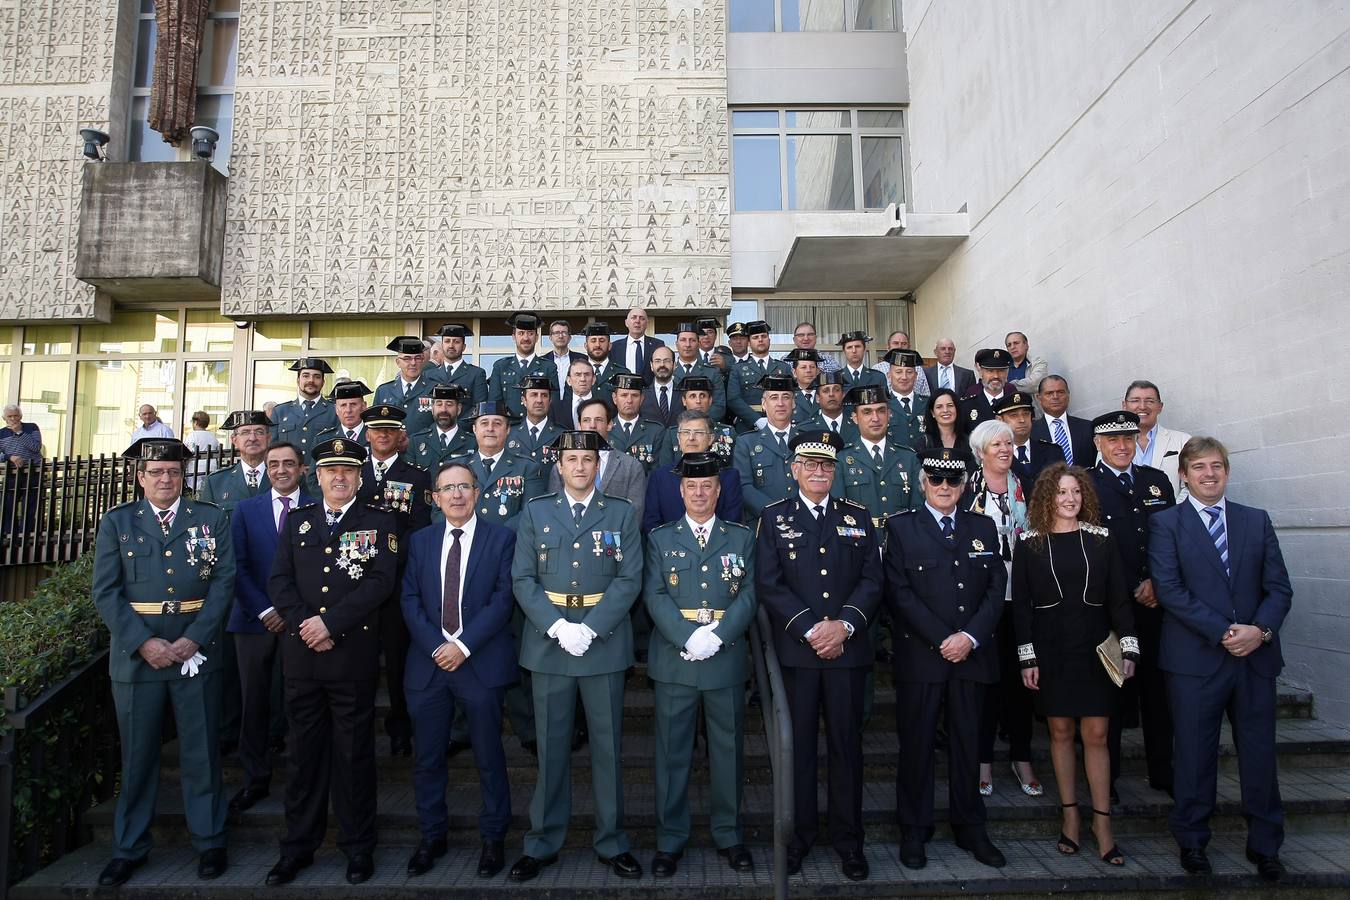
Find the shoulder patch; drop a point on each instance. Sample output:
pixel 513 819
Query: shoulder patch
pixel 1094 529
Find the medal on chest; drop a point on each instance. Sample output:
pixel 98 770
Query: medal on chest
pixel 201 550
pixel 397 496
pixel 355 548
pixel 733 571
pixel 608 543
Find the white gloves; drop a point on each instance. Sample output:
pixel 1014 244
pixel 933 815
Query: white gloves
pixel 573 637
pixel 701 644
pixel 191 667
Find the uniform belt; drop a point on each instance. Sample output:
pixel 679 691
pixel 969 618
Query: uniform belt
pixel 879 521
pixel 573 601
pixel 167 607
pixel 693 614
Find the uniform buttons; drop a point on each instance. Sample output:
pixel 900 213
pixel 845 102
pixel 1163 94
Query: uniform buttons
pixel 705 568
pixel 327 569
pixel 575 564
pixel 170 590
pixel 168 553
pixel 576 546
pixel 822 549
pixel 960 585
pixel 824 571
pixel 704 585
pixel 324 589
pixel 543 546
pixel 129 553
pixel 882 483
pixel 168 571
pixel 883 499
pixel 365 627
pixel 323 609
pixel 825 595
pixel 957 563
pixel 327 549
pixel 960 609
pixel 574 584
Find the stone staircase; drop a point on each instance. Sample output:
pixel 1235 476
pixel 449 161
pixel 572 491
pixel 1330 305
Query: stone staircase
pixel 1314 773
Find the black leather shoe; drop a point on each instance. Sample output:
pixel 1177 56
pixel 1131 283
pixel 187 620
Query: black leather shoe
pixel 212 863
pixel 454 747
pixel 625 865
pixel 287 868
pixel 1195 861
pixel 912 855
pixel 492 860
pixel 527 867
pixel 248 797
pixel 794 861
pixel 1268 867
pixel 117 871
pixel 983 849
pixel 425 856
pixel 854 865
pixel 400 746
pixel 665 864
pixel 360 866
pixel 738 857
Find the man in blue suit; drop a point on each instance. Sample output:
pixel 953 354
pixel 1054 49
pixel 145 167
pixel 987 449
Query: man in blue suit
pixel 457 602
pixel 254 621
pixel 1221 581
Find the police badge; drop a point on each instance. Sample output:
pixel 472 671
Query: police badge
pixel 1155 490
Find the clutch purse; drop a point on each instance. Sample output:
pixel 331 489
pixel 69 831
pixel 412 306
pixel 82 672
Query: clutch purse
pixel 1108 651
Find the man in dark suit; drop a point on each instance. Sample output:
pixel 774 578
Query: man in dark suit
pixel 946 373
pixel 456 371
pixel 1072 434
pixel 336 565
pixel 255 622
pixel 1220 578
pixel 457 603
pixel 977 404
pixel 945 584
pixel 580 388
pixel 819 580
pixel 1130 496
pixel 401 489
pixel 664 503
pixel 661 399
pixel 1030 455
pixel 634 350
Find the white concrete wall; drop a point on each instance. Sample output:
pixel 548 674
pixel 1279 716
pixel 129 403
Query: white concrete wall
pixel 1162 190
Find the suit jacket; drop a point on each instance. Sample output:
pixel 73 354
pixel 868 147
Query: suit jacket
pixel 468 376
pixel 1040 453
pixel 255 548
pixel 810 569
pixel 1200 600
pixel 936 587
pixel 1167 456
pixel 1080 439
pixel 418 402
pixel 486 604
pixel 624 477
pixel 227 487
pixel 965 378
pixel 135 562
pixel 618 351
pixel 681 576
pixel 663 502
pixel 342 575
pixel 560 410
pixel 651 408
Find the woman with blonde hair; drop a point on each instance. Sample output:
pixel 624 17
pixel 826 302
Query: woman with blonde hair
pixel 1068 596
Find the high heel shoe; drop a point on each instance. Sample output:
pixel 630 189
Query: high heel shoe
pixel 987 787
pixel 1064 845
pixel 1031 788
pixel 1112 857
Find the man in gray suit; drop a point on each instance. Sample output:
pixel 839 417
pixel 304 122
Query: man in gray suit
pixel 619 474
pixel 947 374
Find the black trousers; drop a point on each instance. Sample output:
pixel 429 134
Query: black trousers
pixel 917 706
pixel 262 716
pixel 1007 702
pixel 1144 699
pixel 839 694
pixel 394 640
pixel 332 750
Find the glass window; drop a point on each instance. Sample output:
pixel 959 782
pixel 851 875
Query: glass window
pixel 819 172
pixel 144 144
pixel 874 15
pixel 132 332
pixel 751 15
pixel 4 377
pixel 110 392
pixel 881 118
pixel 754 118
pixel 220 45
pixel 46 340
pixel 273 381
pixel 882 171
pixel 352 334
pixel 279 337
pixel 43 397
pixel 813 15
pixel 217 111
pixel 817 118
pixel 208 332
pixel 145 53
pixel 206 387
pixel 743 311
pixel 757 173
pixel 891 316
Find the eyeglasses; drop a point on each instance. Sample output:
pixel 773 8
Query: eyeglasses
pixel 250 432
pixel 936 480
pixel 692 432
pixel 174 472
pixel 405 358
pixel 461 488
pixel 817 465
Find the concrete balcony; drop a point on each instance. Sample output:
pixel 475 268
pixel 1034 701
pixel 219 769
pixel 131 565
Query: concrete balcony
pixel 152 231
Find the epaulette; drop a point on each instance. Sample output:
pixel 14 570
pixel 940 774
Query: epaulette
pixel 854 503
pixel 305 506
pixel 776 502
pixel 206 503
pixel 548 496
pixel 663 526
pixel 624 500
pixel 1094 529
pixel 1044 441
pixel 1028 534
pixel 903 512
pixel 734 525
pixel 127 505
pixel 1151 469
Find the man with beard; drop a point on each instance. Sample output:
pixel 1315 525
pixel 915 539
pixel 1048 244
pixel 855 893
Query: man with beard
pixel 445 439
pixel 299 421
pixel 977 405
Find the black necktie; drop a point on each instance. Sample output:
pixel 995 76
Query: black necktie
pixel 578 510
pixel 1127 481
pixel 947 530
pixel 1022 455
pixel 628 430
pixel 534 435
pixel 782 442
pixel 664 401
pixel 688 370
pixel 637 355
pixel 407 389
pixel 487 467
pixel 876 453
pixel 351 434
pixel 834 426
pixel 308 405
pixel 445 441
pixel 450 590
pixel 763 367
pixel 820 511
pixel 904 401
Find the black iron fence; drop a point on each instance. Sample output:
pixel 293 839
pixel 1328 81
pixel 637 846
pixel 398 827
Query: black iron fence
pixel 49 511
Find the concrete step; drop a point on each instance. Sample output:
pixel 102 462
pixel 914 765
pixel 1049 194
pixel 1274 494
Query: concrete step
pixel 1318 862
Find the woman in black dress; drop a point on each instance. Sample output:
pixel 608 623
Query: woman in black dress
pixel 1068 594
pixel 942 427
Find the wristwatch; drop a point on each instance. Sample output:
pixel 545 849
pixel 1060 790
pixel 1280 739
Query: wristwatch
pixel 1267 635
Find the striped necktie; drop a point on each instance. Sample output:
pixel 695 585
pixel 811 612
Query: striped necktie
pixel 1062 438
pixel 1218 535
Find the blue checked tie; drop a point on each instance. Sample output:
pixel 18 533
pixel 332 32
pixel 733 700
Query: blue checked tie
pixel 1216 533
pixel 1062 438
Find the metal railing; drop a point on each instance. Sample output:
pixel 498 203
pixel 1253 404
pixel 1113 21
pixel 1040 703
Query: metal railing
pixel 49 511
pixel 84 749
pixel 778 732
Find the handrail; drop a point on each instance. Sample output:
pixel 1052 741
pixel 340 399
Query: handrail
pixel 778 732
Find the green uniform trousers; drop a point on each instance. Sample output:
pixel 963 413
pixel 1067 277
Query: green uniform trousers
pixel 676 720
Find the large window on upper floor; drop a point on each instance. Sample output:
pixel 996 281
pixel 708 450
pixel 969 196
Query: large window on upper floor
pixel 817 159
pixel 812 15
pixel 215 85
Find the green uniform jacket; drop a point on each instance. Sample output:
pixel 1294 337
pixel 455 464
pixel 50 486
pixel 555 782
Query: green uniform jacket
pixel 908 428
pixel 515 481
pixel 425 450
pixel 504 385
pixel 681 575
pixel 602 386
pixel 468 376
pixel 744 396
pixel 418 402
pixel 885 489
pixel 724 445
pixel 718 409
pixel 134 562
pixel 601 556
pixel 644 444
pixel 541 450
pixel 227 487
pixel 766 471
pixel 290 423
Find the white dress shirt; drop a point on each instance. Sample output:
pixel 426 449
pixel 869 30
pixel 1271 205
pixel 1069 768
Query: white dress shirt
pixel 465 544
pixel 704 528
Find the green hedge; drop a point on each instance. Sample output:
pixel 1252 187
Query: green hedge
pixel 42 640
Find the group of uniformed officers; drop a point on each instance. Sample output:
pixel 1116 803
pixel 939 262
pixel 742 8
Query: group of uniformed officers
pixel 419 528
